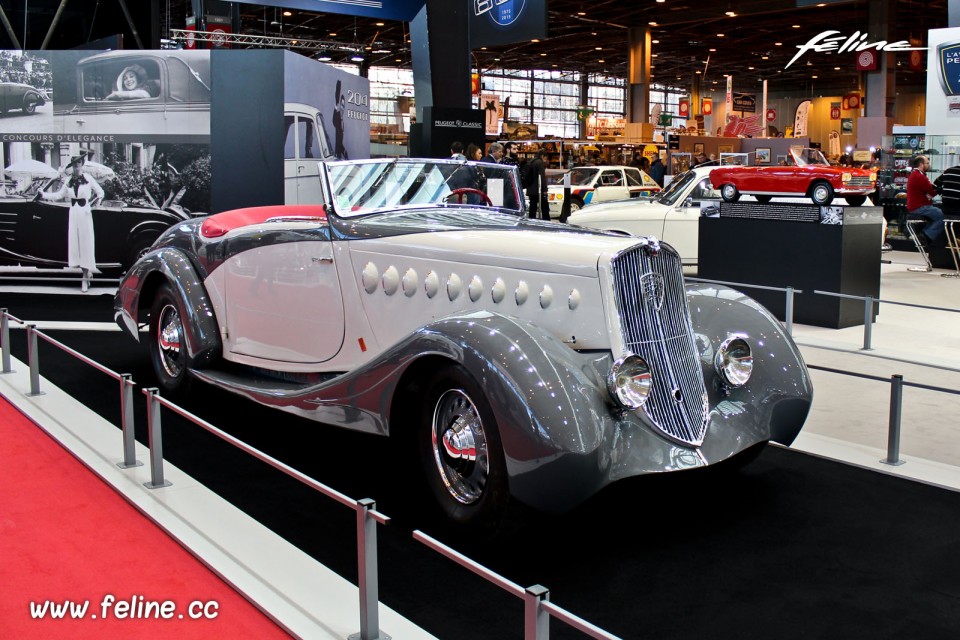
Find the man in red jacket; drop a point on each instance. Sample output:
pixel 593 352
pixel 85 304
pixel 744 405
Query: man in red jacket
pixel 920 192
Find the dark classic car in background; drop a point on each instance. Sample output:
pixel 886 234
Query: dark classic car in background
pixel 177 94
pixel 397 310
pixel 33 232
pixel 15 95
pixel 808 174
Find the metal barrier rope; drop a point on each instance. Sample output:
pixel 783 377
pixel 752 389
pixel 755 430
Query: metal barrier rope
pixel 537 608
pixel 868 303
pixel 367 515
pixel 897 383
pixel 789 291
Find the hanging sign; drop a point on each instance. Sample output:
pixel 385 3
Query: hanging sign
pixel 771 115
pixel 745 102
pixel 867 60
pixel 706 107
pixel 834 110
pixel 684 106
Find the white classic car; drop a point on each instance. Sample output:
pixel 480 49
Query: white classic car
pixel 599 184
pixel 524 361
pixel 672 215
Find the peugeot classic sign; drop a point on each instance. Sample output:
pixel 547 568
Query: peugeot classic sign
pixel 948 59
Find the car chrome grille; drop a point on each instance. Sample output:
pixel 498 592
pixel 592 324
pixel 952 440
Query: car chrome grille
pixel 859 181
pixel 655 322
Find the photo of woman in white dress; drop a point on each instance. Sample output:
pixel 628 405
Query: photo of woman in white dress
pixel 82 191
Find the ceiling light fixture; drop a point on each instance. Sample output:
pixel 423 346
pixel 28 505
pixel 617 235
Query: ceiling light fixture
pixel 287 14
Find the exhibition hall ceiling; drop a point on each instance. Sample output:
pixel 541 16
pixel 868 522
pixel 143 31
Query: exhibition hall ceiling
pixel 756 43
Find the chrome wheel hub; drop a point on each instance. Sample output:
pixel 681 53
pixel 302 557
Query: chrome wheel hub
pixel 460 446
pixel 170 330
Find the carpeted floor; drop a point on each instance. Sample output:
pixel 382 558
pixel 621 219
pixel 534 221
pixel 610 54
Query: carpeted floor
pixel 791 547
pixel 68 540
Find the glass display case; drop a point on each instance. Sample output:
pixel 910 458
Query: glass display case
pixel 895 155
pixel 679 162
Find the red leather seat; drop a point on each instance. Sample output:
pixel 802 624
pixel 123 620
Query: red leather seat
pixel 221 223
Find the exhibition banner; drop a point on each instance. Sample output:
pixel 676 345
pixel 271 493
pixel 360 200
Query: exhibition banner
pixel 498 22
pixel 943 81
pixel 404 10
pixel 138 122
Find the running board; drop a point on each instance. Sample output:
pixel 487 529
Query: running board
pixel 249 383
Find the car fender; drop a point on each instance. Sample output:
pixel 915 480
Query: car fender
pixel 549 401
pixel 780 386
pixel 146 276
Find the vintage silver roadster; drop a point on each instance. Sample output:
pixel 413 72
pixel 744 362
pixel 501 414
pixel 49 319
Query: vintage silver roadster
pixel 528 360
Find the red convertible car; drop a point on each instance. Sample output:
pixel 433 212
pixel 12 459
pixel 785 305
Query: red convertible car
pixel 809 174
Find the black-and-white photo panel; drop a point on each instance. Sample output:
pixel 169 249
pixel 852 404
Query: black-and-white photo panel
pixel 26 84
pixel 157 93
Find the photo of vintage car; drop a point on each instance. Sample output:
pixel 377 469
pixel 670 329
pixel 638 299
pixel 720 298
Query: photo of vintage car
pixel 598 184
pixel 33 231
pixel 16 96
pixel 807 173
pixel 306 144
pixel 525 362
pixel 672 215
pixel 164 92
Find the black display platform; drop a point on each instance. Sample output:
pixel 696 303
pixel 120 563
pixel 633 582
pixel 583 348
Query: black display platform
pixel 835 249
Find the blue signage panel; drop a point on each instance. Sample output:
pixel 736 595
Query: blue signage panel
pixel 498 22
pixel 390 9
pixel 948 58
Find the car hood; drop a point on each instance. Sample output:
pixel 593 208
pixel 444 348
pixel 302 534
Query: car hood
pixel 560 250
pixel 634 208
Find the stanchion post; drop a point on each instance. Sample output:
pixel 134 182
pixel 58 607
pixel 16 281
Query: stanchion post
pixel 33 357
pixel 788 312
pixel 155 437
pixel 536 619
pixel 867 323
pixel 367 571
pixel 126 421
pixel 893 434
pixel 5 340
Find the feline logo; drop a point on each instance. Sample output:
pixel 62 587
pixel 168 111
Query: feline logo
pixel 826 41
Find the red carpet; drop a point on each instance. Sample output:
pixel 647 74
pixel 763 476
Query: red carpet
pixel 67 537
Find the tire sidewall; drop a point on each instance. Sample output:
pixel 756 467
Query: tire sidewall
pixel 174 385
pixel 729 193
pixel 487 512
pixel 823 201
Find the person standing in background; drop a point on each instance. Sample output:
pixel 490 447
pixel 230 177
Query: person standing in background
pixel 536 187
pixel 494 153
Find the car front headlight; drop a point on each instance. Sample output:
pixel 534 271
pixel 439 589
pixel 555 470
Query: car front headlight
pixel 846 177
pixel 734 361
pixel 629 381
pixel 873 176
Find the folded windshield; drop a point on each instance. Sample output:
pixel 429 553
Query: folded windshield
pixel 368 186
